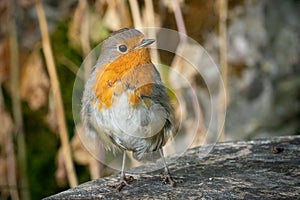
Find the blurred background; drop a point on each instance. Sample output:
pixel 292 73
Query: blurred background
pixel 255 43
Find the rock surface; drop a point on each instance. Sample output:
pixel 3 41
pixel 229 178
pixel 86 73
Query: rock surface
pixel 259 169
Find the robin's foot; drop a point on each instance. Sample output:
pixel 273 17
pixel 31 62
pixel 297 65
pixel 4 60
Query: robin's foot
pixel 167 179
pixel 123 182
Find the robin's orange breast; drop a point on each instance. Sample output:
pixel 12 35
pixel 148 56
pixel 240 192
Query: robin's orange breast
pixel 132 71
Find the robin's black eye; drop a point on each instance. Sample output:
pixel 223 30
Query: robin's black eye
pixel 122 48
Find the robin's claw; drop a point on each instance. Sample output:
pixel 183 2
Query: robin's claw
pixel 125 181
pixel 168 179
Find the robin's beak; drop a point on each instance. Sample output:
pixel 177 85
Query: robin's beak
pixel 145 43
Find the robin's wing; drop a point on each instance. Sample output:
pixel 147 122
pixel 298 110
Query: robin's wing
pixel 148 89
pixel 160 96
pixel 158 99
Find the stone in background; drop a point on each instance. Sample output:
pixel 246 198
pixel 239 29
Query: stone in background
pixel 264 69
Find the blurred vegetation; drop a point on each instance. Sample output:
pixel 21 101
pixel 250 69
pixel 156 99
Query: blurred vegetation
pixel 263 87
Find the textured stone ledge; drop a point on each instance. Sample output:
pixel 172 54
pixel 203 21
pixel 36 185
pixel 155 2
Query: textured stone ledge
pixel 259 169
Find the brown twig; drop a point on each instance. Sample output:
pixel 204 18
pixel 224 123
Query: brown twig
pixel 84 36
pixel 95 167
pixel 16 105
pixel 135 12
pixel 179 19
pixel 150 22
pixel 11 166
pixel 223 95
pixel 184 45
pixel 9 153
pixel 149 13
pixel 57 95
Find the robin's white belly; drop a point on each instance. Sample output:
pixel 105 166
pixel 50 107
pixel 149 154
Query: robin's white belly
pixel 123 122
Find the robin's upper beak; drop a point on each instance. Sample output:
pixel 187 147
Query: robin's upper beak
pixel 145 43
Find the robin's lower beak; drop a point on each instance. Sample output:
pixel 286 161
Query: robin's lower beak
pixel 145 43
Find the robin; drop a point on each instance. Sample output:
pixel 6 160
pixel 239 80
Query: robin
pixel 125 101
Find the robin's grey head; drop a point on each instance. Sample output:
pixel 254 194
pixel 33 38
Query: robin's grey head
pixel 121 42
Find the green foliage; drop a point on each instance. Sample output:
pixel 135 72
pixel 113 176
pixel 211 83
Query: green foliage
pixel 42 143
pixel 42 146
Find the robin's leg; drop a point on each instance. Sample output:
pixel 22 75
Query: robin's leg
pixel 123 179
pixel 167 179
